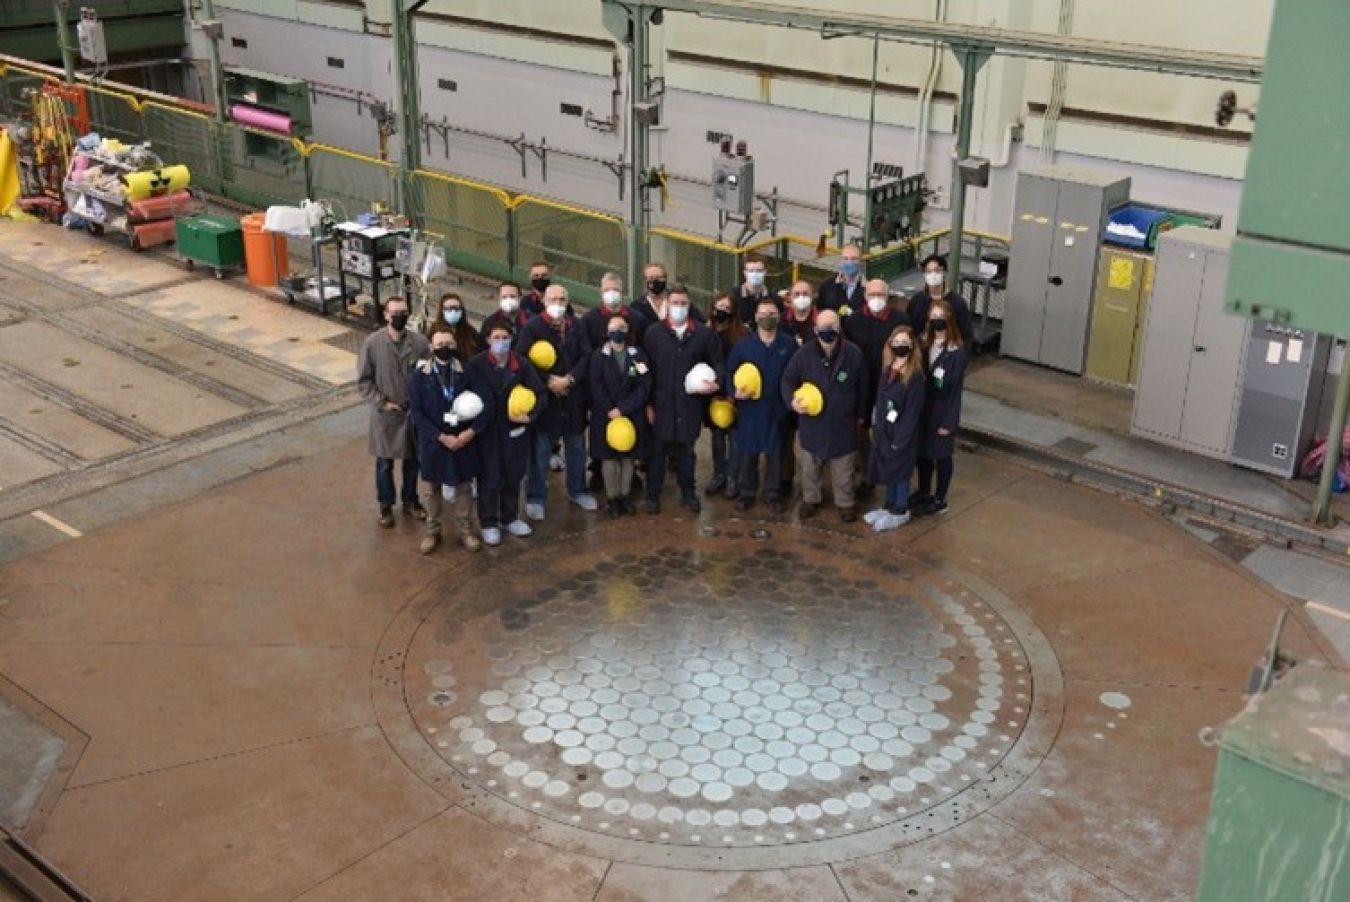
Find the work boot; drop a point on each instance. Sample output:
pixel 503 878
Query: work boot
pixel 430 542
pixel 848 514
pixel 466 536
pixel 386 516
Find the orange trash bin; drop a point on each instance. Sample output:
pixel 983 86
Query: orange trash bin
pixel 264 252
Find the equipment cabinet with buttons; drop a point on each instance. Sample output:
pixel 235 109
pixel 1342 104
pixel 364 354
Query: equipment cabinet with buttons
pixel 1281 397
pixel 1059 218
pixel 1190 374
pixel 366 259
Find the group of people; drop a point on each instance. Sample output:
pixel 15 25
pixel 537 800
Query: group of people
pixel 845 378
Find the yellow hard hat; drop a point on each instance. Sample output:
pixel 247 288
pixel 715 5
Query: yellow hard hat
pixel 543 355
pixel 621 435
pixel 521 401
pixel 811 398
pixel 722 412
pixel 748 380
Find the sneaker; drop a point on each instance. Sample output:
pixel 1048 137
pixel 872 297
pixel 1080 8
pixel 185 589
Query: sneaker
pixel 717 484
pixel 692 502
pixel 519 528
pixel 386 516
pixel 585 502
pixel 430 542
pixel 871 517
pixel 535 511
pixel 555 463
pixel 917 503
pixel 888 521
pixel 745 503
pixel 936 507
pixel 492 536
pixel 653 506
pixel 809 509
pixel 415 510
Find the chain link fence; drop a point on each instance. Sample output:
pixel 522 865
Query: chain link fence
pixel 580 245
pixel 472 221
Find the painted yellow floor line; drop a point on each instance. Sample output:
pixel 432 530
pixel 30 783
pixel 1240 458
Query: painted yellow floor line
pixel 1326 609
pixel 57 524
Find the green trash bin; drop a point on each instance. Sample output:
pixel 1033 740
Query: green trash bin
pixel 1279 823
pixel 214 241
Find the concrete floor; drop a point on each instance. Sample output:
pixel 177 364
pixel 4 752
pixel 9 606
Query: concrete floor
pixel 257 693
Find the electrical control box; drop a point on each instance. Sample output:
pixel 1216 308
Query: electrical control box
pixel 89 31
pixel 733 181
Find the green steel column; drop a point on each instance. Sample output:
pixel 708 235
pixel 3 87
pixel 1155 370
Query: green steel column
pixel 213 54
pixel 63 37
pixel 406 95
pixel 1322 506
pixel 971 58
pixel 639 151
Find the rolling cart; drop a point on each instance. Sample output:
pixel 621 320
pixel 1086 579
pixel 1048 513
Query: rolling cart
pixel 214 241
pixel 127 189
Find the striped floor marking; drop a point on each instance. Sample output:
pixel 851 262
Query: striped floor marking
pixel 57 525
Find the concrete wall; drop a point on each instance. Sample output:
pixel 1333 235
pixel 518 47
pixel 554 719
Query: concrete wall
pixel 799 101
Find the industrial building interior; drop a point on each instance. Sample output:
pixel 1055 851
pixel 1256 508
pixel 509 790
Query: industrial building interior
pixel 1114 670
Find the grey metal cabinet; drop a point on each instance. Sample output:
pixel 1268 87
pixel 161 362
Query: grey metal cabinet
pixel 1190 375
pixel 1058 222
pixel 1281 397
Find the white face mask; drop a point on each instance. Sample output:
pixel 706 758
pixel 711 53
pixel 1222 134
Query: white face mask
pixel 934 278
pixel 509 305
pixel 754 277
pixel 556 311
pixel 801 302
pixel 678 313
pixel 611 298
pixel 876 303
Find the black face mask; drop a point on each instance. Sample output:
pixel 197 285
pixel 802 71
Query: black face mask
pixel 618 336
pixel 721 316
pixel 656 286
pixel 828 336
pixel 540 284
pixel 444 354
pixel 900 351
pixel 939 325
pixel 398 321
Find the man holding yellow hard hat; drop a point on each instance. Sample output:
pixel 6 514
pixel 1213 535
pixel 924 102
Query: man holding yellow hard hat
pixel 512 390
pixel 757 363
pixel 824 384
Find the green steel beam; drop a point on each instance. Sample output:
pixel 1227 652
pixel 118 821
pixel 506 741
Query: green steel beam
pixel 1028 44
pixel 40 43
pixel 972 60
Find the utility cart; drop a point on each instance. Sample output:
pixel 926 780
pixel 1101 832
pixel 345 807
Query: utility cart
pixel 126 189
pixel 214 241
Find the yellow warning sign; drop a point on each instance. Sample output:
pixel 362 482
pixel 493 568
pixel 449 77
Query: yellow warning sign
pixel 1122 273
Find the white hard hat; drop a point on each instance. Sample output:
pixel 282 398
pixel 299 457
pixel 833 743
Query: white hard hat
pixel 468 405
pixel 697 379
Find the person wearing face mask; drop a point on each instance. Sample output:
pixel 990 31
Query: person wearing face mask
pixel 726 462
pixel 935 289
pixel 541 276
pixel 946 357
pixel 382 368
pixel 869 327
pixel 508 313
pixel 595 322
pixel 676 412
pixel 467 342
pixel 564 416
pixel 835 367
pixel 845 291
pixel 799 320
pixel 895 428
pixel 749 293
pixel 448 453
pixel 650 309
pixel 761 422
pixel 506 440
pixel 619 381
